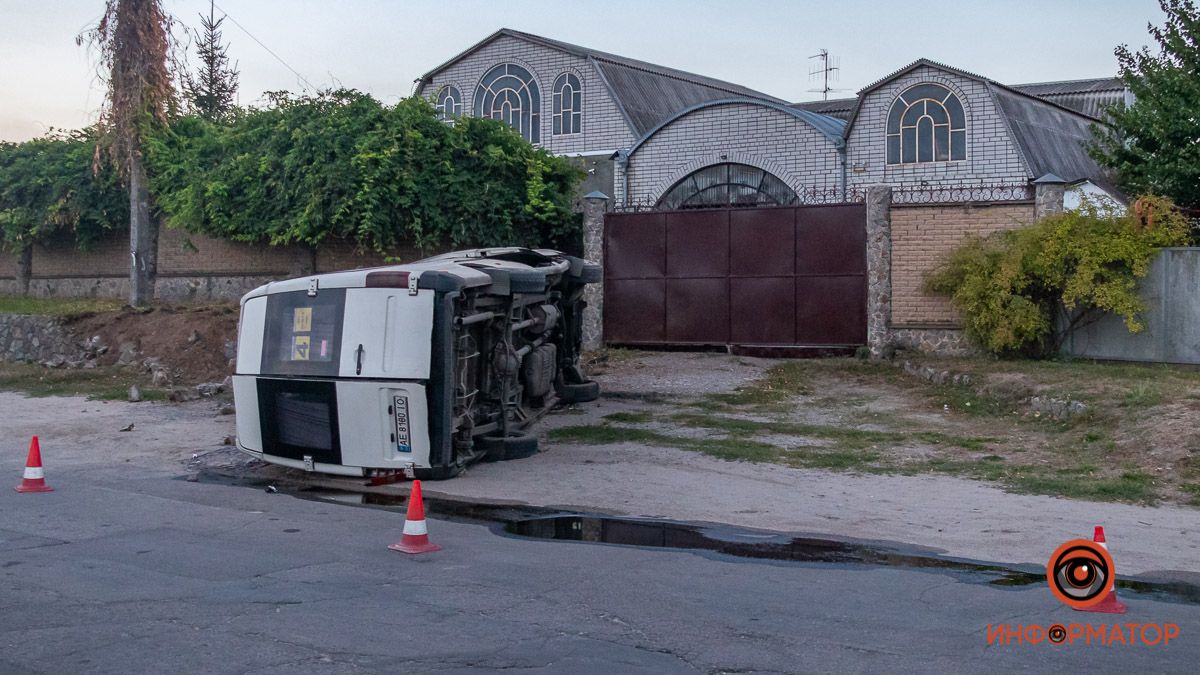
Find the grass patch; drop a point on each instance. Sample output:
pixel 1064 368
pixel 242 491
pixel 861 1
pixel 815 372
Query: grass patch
pixel 834 460
pixel 974 402
pixel 17 304
pixel 732 449
pixel 1143 394
pixel 1192 490
pixel 1131 486
pixel 780 383
pixel 629 417
pixel 844 438
pixel 108 384
pixel 1078 482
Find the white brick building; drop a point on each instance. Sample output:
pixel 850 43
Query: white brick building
pixel 651 135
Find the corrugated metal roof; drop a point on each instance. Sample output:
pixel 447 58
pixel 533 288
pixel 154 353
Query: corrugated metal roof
pixel 1090 97
pixel 1051 139
pixel 647 93
pixel 650 98
pixel 1072 86
pixel 837 107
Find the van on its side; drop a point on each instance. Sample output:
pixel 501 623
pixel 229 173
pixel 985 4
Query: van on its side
pixel 418 369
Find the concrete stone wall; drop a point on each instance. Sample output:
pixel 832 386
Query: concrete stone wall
pixel 604 127
pixel 36 339
pixel 745 133
pixel 1172 317
pixel 922 236
pixel 991 154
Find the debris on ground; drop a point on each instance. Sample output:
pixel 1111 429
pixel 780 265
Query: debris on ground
pixel 128 427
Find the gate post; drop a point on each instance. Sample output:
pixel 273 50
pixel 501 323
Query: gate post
pixel 879 270
pixel 1049 192
pixel 594 206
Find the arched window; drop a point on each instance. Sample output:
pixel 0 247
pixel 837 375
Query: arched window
pixel 926 123
pixel 448 103
pixel 508 92
pixel 722 185
pixel 568 105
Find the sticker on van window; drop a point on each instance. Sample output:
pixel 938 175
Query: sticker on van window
pixel 302 320
pixel 300 344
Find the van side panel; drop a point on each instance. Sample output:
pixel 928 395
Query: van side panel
pixel 394 329
pixel 250 336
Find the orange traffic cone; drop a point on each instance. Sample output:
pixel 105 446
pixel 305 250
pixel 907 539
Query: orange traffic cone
pixel 1110 604
pixel 34 480
pixel 416 534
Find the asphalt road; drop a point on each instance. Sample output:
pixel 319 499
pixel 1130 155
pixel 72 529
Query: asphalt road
pixel 122 570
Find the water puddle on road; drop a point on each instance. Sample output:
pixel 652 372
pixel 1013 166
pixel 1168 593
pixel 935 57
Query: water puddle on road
pixel 553 524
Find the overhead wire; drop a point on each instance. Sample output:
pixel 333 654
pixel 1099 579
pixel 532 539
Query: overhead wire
pixel 301 78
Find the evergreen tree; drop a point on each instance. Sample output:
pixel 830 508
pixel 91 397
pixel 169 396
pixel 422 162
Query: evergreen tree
pixel 1153 144
pixel 212 89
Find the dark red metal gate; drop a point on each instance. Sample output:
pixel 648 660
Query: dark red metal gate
pixel 757 276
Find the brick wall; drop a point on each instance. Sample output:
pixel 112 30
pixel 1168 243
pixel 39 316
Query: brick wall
pixel 190 266
pixel 921 238
pixel 8 264
pixel 183 254
pixel 108 258
pixel 344 256
pixel 761 136
pixel 604 127
pixel 991 154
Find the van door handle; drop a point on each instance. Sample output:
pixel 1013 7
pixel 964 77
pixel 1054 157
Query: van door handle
pixel 358 354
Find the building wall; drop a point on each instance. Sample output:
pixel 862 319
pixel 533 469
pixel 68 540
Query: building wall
pixel 737 132
pixel 604 127
pixel 922 236
pixel 992 157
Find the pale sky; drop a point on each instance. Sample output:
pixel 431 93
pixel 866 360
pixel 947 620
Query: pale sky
pixel 381 46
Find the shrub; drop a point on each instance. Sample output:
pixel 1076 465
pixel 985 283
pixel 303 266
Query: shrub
pixel 1023 291
pixel 342 165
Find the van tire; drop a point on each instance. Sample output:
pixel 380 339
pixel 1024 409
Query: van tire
pixel 515 445
pixel 584 392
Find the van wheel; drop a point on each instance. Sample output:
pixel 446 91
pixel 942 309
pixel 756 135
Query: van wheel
pixel 515 445
pixel 583 392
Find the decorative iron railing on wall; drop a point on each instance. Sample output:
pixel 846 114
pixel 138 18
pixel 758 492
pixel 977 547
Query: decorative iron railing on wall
pixel 805 196
pixel 962 194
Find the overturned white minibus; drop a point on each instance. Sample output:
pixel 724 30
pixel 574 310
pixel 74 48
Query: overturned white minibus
pixel 418 369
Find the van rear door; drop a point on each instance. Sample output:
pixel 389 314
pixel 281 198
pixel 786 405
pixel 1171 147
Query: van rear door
pixel 386 334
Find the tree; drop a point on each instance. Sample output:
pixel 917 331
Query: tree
pixel 211 90
pixel 1023 291
pixel 133 39
pixel 1153 144
pixel 50 192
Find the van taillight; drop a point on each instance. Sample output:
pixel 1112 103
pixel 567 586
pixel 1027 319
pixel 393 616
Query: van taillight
pixel 387 279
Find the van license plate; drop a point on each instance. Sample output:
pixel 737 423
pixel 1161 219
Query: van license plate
pixel 400 405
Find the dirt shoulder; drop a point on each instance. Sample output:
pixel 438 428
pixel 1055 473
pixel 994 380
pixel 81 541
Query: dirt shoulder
pixel 165 351
pixel 725 439
pixel 840 448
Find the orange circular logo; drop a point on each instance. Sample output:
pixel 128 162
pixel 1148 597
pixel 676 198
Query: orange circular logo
pixel 1080 573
